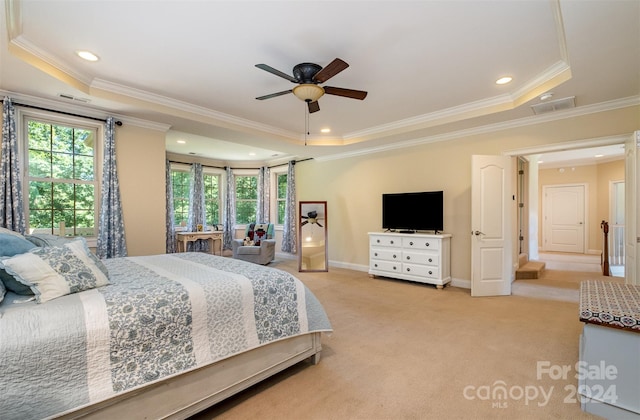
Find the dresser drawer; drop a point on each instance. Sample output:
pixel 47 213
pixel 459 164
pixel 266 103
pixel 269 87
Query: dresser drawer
pixel 432 272
pixel 389 254
pixel 420 243
pixel 385 240
pixel 420 257
pixel 390 266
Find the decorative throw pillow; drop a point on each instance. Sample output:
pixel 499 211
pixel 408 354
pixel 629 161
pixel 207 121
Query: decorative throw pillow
pixel 46 239
pixel 12 243
pixel 52 272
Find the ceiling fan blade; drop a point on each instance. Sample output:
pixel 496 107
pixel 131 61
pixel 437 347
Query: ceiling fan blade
pixel 276 72
pixel 314 107
pixel 273 95
pixel 330 70
pixel 348 93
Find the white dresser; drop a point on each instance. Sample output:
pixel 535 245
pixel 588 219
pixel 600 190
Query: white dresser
pixel 411 256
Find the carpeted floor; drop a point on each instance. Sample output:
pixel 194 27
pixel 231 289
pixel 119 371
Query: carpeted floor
pixel 558 284
pixel 402 350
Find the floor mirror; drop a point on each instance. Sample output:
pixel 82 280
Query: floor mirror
pixel 312 236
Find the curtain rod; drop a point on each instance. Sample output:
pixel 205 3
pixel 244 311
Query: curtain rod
pixel 224 167
pixel 118 123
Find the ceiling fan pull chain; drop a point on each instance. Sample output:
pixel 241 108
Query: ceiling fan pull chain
pixel 306 125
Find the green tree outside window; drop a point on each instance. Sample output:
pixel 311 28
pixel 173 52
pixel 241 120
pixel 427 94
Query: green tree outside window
pixel 246 199
pixel 61 179
pixel 281 198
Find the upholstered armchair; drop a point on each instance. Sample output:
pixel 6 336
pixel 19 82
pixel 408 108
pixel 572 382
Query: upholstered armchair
pixel 264 249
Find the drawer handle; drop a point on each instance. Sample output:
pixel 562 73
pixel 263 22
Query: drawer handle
pixel 426 244
pixel 430 259
pixel 430 272
pixel 411 243
pixel 394 256
pixel 375 265
pixel 378 240
pixel 391 242
pixel 408 257
pixel 376 254
pixel 408 269
pixel 394 267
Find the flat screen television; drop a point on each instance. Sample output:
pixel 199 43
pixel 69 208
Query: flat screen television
pixel 413 211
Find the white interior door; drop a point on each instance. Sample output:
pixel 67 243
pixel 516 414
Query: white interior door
pixel 563 218
pixel 631 216
pixel 491 210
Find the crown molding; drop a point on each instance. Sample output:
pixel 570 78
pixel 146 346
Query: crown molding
pixel 186 108
pixel 83 110
pixel 489 128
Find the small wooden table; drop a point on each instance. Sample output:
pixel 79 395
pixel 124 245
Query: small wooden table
pixel 212 236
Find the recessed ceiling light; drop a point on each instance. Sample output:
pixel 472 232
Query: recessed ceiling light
pixel 325 130
pixel 87 55
pixel 252 153
pixel 181 141
pixel 598 156
pixel 504 80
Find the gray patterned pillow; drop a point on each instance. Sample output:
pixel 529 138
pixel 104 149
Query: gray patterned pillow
pixel 56 271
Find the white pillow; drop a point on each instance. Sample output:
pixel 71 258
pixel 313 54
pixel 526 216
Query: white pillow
pixel 56 271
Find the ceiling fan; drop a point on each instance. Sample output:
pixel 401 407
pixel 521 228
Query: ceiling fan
pixel 311 217
pixel 308 76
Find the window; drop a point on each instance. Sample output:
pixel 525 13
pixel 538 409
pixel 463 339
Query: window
pixel 246 199
pixel 180 182
pixel 281 196
pixel 180 185
pixel 61 178
pixel 212 198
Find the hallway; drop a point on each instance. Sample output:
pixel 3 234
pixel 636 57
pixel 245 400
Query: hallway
pixel 562 276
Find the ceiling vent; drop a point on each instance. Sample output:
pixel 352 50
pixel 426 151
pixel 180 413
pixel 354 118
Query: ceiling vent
pixel 74 98
pixel 557 105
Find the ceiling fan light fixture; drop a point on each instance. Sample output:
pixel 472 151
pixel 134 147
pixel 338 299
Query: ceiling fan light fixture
pixel 308 92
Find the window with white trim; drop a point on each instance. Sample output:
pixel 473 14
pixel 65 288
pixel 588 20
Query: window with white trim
pixel 281 196
pixel 62 176
pixel 246 198
pixel 180 183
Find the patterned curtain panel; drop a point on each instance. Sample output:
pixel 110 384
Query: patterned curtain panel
pixel 197 209
pixel 289 234
pixel 264 177
pixel 229 214
pixel 170 222
pixel 11 206
pixel 111 240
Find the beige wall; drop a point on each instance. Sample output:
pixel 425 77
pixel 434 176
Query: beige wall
pixel 353 187
pixel 596 178
pixel 140 155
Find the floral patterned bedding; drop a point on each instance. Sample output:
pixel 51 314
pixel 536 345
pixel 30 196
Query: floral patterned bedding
pixel 610 304
pixel 160 316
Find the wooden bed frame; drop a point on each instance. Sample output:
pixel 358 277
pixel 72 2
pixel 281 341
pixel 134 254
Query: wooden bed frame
pixel 186 394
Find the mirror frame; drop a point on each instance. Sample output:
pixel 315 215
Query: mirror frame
pixel 303 209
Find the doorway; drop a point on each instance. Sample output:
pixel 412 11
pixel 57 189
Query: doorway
pixel 564 217
pixel 563 204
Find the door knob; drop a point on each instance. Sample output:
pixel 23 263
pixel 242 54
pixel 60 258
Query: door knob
pixel 477 233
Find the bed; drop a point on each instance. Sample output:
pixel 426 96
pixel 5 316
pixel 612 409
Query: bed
pixel 168 336
pixel 609 370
